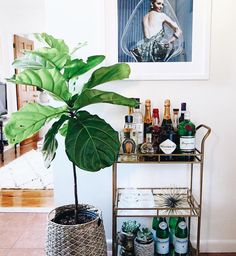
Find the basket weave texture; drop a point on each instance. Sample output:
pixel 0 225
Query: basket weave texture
pixel 143 249
pixel 86 239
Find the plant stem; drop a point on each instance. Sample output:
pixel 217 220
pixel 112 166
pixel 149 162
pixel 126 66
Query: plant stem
pixel 75 194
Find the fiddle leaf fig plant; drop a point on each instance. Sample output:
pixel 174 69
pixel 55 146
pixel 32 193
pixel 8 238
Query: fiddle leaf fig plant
pixel 90 142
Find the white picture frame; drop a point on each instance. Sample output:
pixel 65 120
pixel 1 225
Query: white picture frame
pixel 197 69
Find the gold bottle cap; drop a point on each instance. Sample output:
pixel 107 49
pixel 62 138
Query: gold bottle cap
pixel 148 103
pixel 167 103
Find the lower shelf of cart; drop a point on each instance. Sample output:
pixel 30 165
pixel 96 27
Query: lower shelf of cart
pixel 150 202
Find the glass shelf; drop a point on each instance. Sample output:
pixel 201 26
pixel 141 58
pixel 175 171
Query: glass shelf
pixel 195 158
pixel 151 202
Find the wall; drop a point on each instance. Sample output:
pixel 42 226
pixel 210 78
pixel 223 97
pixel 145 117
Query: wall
pixel 22 18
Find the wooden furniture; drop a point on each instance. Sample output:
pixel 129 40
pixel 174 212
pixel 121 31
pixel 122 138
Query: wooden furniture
pixel 192 206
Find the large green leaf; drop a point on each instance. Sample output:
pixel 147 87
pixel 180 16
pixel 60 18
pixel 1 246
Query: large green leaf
pixel 93 96
pixel 58 44
pixel 48 79
pixel 77 67
pixel 107 74
pixel 29 120
pixel 91 143
pixel 29 60
pixel 50 143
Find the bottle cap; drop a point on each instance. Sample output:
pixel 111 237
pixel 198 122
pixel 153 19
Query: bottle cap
pixel 155 112
pixel 175 109
pixel 129 119
pixel 167 103
pixel 148 103
pixel 183 106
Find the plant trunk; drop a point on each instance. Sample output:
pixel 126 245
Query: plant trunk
pixel 75 194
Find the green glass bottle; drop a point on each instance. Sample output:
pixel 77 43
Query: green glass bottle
pixel 172 225
pixel 162 234
pixel 187 131
pixel 181 237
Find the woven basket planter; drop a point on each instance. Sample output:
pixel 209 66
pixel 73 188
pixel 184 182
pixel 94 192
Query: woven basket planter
pixel 86 239
pixel 143 249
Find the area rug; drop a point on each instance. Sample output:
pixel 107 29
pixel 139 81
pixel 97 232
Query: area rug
pixel 26 172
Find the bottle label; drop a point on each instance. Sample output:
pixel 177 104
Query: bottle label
pixel 168 146
pixel 139 130
pixel 181 245
pixel 162 246
pixel 163 225
pixel 187 143
pixel 182 225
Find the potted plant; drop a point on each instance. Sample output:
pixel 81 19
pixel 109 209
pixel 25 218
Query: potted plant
pixel 144 243
pixel 126 237
pixel 90 142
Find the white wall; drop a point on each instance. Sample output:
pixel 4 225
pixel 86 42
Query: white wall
pixel 22 18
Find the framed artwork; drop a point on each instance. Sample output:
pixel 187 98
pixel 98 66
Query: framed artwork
pixel 159 39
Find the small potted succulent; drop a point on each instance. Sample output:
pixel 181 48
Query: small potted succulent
pixel 90 142
pixel 144 243
pixel 126 237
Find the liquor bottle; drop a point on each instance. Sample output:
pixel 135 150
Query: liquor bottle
pixel 175 119
pixel 172 225
pixel 147 120
pixel 162 234
pixel 131 111
pixel 156 129
pixel 187 131
pixel 138 122
pixel 147 148
pixel 168 137
pixel 181 237
pixel 182 111
pixel 128 139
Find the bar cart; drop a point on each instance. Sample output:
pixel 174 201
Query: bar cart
pixel 190 206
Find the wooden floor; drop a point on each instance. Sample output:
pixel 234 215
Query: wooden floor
pixel 19 197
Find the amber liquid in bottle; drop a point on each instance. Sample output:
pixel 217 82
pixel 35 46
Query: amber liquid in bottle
pixel 147 120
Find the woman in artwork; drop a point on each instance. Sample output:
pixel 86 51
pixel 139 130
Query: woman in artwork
pixel 156 47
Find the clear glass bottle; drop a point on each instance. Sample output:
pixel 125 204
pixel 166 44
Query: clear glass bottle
pixel 187 131
pixel 147 148
pixel 162 234
pixel 128 138
pixel 147 120
pixel 182 111
pixel 181 238
pixel 138 123
pixel 168 137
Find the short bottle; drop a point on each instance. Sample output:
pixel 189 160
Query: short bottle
pixel 181 237
pixel 147 120
pixel 187 131
pixel 138 123
pixel 147 148
pixel 168 137
pixel 162 236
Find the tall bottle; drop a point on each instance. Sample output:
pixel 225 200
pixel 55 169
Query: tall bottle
pixel 187 131
pixel 138 123
pixel 162 234
pixel 156 130
pixel 147 120
pixel 128 137
pixel 168 137
pixel 181 237
pixel 172 225
pixel 175 118
pixel 182 112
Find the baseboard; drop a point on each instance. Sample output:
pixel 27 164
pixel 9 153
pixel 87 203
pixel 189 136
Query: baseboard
pixel 206 246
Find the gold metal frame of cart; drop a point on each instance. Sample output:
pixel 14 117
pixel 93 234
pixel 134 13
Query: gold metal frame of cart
pixel 193 209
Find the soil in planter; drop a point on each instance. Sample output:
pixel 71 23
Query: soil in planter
pixel 68 217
